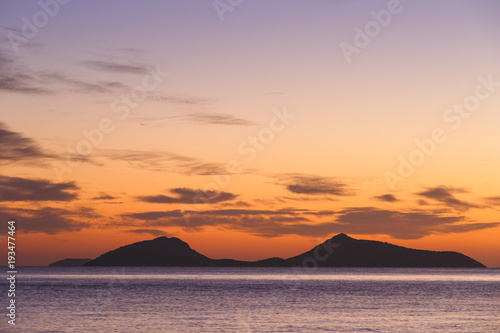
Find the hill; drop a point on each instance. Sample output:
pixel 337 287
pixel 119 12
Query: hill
pixel 366 253
pixel 339 251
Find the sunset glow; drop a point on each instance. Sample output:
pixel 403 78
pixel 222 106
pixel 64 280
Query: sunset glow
pixel 250 133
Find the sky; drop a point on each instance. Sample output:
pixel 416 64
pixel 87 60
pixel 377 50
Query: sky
pixel 249 129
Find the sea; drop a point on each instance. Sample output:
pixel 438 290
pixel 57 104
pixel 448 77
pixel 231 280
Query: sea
pixel 173 299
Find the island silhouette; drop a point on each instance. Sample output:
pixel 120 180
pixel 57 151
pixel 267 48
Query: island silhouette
pixel 338 251
pixel 71 262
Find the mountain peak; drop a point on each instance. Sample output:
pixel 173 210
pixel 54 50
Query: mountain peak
pixel 341 237
pixel 161 251
pixel 165 239
pixel 162 239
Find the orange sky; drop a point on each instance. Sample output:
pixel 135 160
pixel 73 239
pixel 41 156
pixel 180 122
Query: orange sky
pixel 254 136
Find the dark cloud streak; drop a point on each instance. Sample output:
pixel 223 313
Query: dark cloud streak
pixel 45 220
pixel 387 198
pixel 217 119
pixel 189 196
pixel 316 185
pixel 103 196
pixel 166 161
pixel 15 147
pixel 445 195
pixel 21 189
pixel 403 225
pixel 274 223
pixel 114 67
pixel 154 232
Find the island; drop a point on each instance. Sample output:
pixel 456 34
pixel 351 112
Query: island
pixel 338 251
pixel 71 262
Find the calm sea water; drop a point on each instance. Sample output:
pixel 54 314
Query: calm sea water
pixel 99 299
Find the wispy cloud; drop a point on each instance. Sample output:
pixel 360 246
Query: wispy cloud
pixel 186 100
pixel 45 220
pixel 246 212
pixel 154 232
pixel 15 79
pixel 494 201
pixel 103 196
pixel 264 223
pixel 115 67
pixel 166 161
pixel 21 189
pixel 16 147
pixel 55 79
pixel 193 118
pixel 445 195
pixel 189 196
pixel 312 185
pixel 217 119
pixel 274 223
pixel 403 225
pixel 155 215
pixel 321 212
pixel 386 197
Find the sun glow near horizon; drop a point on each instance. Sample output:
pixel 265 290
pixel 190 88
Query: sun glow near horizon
pixel 254 136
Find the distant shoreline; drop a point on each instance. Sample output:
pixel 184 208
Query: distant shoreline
pixel 339 251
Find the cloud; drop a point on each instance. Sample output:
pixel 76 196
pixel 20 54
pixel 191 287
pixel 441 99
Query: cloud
pixel 403 225
pixel 13 78
pixel 246 212
pixel 189 196
pixel 386 197
pixel 152 121
pixel 184 100
pixel 193 118
pixel 21 189
pixel 444 194
pixel 166 161
pixel 257 222
pixel 238 203
pixel 154 232
pixel 101 87
pixel 316 185
pixel 15 147
pixel 274 223
pixel 300 198
pixel 45 220
pixel 103 196
pixel 217 119
pixel 19 83
pixel 16 77
pixel 494 201
pixel 321 212
pixel 114 67
pixel 155 215
pixel 132 51
pixel 263 223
